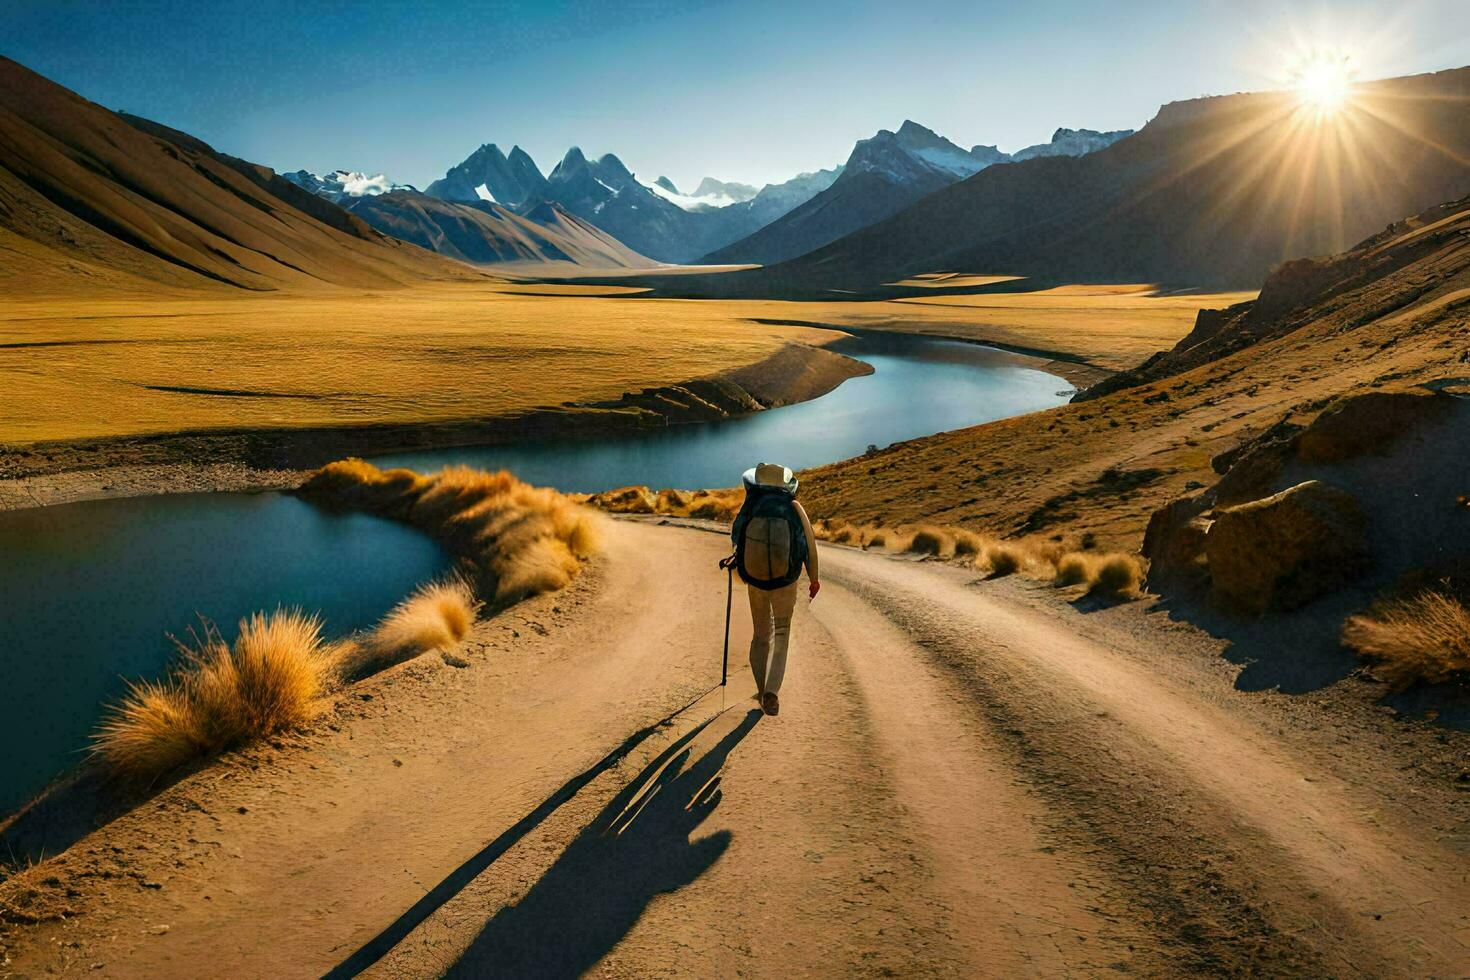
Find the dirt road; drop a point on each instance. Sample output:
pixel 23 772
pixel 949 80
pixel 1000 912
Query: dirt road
pixel 967 778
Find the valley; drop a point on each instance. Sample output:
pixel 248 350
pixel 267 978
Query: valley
pixel 1133 461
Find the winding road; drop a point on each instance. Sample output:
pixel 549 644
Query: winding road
pixel 967 778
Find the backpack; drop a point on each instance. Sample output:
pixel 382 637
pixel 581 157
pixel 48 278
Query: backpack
pixel 770 543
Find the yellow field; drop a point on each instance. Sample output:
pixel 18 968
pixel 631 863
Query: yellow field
pixel 1113 327
pixel 167 362
pixel 121 367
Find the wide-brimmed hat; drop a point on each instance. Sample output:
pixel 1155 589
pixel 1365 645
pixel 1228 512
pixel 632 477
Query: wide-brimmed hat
pixel 771 475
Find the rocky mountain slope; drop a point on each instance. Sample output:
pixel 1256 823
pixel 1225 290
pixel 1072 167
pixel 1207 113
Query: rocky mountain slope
pixel 482 232
pixel 1066 143
pixel 489 175
pixel 90 198
pixel 885 174
pixel 1212 191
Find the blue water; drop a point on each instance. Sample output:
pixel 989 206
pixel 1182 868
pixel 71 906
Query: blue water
pixel 919 386
pixel 88 592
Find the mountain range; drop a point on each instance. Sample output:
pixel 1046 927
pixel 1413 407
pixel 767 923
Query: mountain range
pixel 1212 191
pixel 655 219
pixel 885 174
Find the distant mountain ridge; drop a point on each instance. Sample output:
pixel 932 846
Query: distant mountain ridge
pixel 341 184
pixel 483 233
pixel 885 174
pixel 654 220
pixel 1211 192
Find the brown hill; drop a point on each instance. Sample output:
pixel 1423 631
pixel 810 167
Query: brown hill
pixel 88 197
pixel 1392 313
pixel 482 232
pixel 1212 191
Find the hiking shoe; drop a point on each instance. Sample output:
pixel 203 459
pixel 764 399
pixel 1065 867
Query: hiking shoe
pixel 770 704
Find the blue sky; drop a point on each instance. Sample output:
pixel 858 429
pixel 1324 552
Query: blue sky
pixel 750 90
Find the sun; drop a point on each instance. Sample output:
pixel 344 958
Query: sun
pixel 1323 81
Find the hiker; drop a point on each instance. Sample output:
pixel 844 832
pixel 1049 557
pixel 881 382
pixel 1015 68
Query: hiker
pixel 773 540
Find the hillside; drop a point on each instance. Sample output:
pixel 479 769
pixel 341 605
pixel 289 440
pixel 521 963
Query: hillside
pixel 1389 313
pixel 1212 191
pixel 90 198
pixel 482 232
pixel 885 174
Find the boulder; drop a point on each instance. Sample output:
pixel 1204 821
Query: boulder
pixel 1368 423
pixel 1285 550
pixel 1248 471
pixel 1174 543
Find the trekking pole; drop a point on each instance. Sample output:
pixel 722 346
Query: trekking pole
pixel 728 564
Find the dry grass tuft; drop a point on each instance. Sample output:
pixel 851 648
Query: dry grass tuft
pixel 1117 576
pixel 1425 638
pixel 968 544
pixel 219 697
pixel 929 540
pixel 1004 559
pixel 1073 569
pixel 436 617
pixel 520 540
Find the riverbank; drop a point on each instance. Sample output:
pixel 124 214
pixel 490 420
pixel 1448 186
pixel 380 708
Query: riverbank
pixel 63 472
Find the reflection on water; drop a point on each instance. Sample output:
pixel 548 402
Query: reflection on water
pixel 919 386
pixel 90 590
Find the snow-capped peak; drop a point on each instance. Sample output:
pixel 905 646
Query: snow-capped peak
pixel 344 183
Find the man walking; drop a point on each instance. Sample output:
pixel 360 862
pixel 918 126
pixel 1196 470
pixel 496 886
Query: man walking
pixel 773 541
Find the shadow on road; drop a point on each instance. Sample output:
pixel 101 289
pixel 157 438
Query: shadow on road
pixel 377 947
pixel 638 847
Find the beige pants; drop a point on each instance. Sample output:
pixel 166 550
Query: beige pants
pixel 770 615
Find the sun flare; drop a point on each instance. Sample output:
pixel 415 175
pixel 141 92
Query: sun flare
pixel 1324 81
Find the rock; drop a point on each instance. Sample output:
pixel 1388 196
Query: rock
pixel 672 500
pixel 1368 423
pixel 1174 543
pixel 625 500
pixel 1248 471
pixel 1285 550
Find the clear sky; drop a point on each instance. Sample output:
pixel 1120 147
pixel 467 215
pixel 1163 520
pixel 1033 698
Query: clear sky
pixel 749 90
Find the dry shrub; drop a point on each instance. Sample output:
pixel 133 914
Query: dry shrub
pixel 219 697
pixel 1117 576
pixel 968 544
pixel 520 539
pixel 1004 559
pixel 1423 638
pixel 877 539
pixel 847 534
pixel 1072 569
pixel 436 617
pixel 929 540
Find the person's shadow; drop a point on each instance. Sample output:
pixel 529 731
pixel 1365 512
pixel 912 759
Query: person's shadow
pixel 639 846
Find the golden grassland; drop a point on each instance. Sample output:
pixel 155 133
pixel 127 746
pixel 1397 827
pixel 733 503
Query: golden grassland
pixel 114 367
pixel 513 540
pixel 1111 327
pixel 168 361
